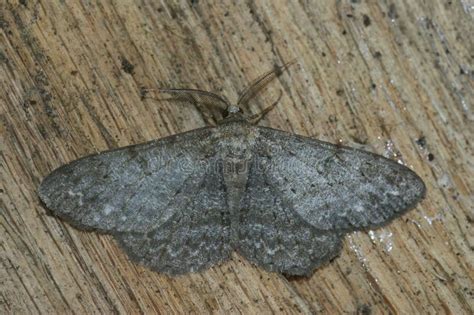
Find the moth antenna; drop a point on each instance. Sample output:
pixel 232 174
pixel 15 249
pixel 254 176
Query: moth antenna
pixel 260 82
pixel 195 97
pixel 254 119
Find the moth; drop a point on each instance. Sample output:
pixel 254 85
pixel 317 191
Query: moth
pixel 185 202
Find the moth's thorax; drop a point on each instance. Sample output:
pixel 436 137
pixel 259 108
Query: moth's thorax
pixel 236 140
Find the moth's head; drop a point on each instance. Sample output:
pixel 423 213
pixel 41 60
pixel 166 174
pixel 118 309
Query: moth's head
pixel 232 110
pixel 232 113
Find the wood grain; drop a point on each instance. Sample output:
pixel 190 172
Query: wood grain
pixel 395 78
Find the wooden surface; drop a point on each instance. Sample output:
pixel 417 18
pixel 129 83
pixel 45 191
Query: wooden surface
pixel 395 78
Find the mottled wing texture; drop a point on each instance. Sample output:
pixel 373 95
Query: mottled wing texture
pixel 275 237
pixel 131 189
pixel 335 188
pixel 195 237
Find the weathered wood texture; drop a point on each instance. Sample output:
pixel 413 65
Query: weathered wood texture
pixel 395 78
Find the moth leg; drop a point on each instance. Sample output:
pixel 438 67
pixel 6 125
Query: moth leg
pixel 255 119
